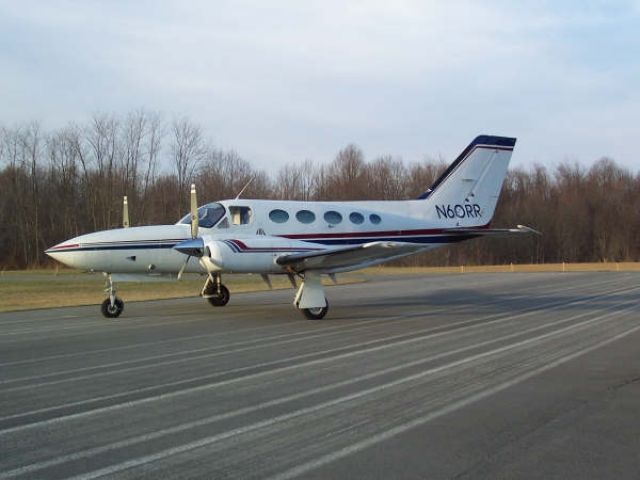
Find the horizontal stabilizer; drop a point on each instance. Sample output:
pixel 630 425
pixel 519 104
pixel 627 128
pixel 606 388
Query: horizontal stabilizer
pixel 520 229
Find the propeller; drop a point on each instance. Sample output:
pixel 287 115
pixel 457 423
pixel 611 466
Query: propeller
pixel 194 212
pixel 125 213
pixel 195 246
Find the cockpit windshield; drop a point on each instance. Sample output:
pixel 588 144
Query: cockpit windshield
pixel 208 215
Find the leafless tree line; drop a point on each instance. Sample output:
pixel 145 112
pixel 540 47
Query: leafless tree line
pixel 62 183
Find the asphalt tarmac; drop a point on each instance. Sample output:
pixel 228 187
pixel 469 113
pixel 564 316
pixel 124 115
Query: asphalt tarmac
pixel 468 376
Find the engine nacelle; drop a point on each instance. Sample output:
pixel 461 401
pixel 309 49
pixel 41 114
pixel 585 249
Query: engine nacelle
pixel 251 255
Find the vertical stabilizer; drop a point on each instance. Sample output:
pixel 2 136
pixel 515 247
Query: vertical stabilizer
pixel 466 194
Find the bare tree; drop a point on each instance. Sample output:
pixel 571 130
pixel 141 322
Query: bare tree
pixel 152 146
pixel 59 184
pixel 387 178
pixel 295 182
pixel 188 149
pixel 346 175
pixel 101 136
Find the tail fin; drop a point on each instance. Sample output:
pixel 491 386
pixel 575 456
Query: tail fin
pixel 466 193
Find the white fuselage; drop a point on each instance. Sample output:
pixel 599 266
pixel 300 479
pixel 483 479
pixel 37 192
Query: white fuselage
pixel 251 234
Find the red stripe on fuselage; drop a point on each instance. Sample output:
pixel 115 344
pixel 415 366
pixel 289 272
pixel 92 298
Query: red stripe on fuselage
pixel 245 248
pixel 385 233
pixel 70 245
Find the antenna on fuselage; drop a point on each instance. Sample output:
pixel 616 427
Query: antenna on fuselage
pixel 244 188
pixel 125 212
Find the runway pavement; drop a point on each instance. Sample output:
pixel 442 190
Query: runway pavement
pixel 438 376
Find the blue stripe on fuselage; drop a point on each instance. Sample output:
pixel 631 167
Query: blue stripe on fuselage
pixel 93 248
pixel 435 239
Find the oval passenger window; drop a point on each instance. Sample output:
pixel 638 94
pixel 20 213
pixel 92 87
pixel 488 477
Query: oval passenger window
pixel 373 218
pixel 356 218
pixel 306 216
pixel 278 216
pixel 332 217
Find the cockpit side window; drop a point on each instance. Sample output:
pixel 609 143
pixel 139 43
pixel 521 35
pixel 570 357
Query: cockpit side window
pixel 240 215
pixel 208 215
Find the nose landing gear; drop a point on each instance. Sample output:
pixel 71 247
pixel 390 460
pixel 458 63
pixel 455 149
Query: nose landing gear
pixel 215 292
pixel 112 307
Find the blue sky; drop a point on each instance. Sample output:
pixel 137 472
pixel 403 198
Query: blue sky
pixel 282 81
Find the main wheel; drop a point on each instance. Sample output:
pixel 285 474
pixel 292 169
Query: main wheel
pixel 316 313
pixel 221 299
pixel 112 311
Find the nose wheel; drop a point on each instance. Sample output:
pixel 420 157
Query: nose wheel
pixel 112 310
pixel 215 292
pixel 112 307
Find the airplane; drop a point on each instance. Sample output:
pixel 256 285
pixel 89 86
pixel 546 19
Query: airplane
pixel 301 239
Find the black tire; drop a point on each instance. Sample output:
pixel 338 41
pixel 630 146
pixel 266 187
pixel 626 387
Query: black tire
pixel 222 299
pixel 316 313
pixel 110 311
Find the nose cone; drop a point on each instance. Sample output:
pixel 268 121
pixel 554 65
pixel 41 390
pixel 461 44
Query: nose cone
pixel 124 250
pixel 66 252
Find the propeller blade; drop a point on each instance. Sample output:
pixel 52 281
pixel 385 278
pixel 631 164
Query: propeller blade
pixel 125 213
pixel 184 266
pixel 267 280
pixel 194 212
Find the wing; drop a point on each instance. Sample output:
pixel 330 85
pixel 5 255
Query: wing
pixel 343 259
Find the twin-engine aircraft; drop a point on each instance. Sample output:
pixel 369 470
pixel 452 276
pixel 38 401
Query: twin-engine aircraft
pixel 302 239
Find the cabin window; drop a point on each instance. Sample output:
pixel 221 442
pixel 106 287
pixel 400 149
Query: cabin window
pixel 356 218
pixel 375 219
pixel 278 216
pixel 306 216
pixel 332 217
pixel 240 215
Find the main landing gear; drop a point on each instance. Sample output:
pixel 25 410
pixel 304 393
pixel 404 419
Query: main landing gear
pixel 316 313
pixel 214 291
pixel 310 298
pixel 112 307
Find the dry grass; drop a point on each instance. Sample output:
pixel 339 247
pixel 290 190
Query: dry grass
pixel 29 289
